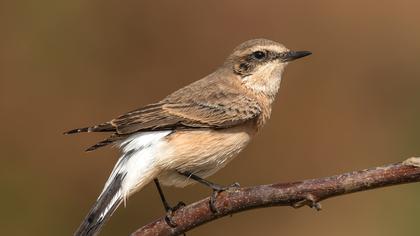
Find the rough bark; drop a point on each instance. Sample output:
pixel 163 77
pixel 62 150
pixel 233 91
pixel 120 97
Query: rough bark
pixel 295 194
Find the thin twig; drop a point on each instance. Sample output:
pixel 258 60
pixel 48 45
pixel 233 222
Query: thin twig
pixel 295 194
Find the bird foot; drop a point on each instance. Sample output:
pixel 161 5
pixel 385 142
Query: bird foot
pixel 170 212
pixel 216 190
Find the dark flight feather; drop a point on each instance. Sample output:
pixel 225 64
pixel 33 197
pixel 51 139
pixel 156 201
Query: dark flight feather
pixel 207 103
pixel 104 127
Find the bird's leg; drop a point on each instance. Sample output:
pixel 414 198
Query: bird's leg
pixel 215 187
pixel 169 210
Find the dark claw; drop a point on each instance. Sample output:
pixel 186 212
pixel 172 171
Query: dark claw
pixel 169 221
pixel 213 202
pixel 169 213
pixel 216 190
pixel 215 187
pixel 178 206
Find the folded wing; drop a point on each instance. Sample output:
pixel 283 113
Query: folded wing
pixel 194 114
pixel 216 113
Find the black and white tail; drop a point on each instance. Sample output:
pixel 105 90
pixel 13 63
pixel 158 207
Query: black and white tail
pixel 104 207
pixel 135 168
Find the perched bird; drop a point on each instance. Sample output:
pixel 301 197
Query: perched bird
pixel 193 132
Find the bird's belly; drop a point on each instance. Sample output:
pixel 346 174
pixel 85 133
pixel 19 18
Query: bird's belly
pixel 201 152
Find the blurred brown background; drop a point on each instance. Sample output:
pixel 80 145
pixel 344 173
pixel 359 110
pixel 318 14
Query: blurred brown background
pixel 353 104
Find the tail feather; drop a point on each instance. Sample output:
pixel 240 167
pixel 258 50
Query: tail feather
pixel 135 168
pixel 110 140
pixel 75 131
pixel 104 127
pixel 104 207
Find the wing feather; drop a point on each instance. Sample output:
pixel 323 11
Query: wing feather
pixel 212 102
pixel 161 116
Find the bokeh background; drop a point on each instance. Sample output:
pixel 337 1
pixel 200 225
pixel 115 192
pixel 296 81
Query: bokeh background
pixel 353 104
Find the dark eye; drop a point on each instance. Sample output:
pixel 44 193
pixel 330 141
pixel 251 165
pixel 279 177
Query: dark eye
pixel 259 55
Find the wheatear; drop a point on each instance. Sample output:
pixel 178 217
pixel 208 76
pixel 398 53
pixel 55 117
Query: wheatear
pixel 193 132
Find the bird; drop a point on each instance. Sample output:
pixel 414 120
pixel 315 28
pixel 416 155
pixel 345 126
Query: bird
pixel 193 132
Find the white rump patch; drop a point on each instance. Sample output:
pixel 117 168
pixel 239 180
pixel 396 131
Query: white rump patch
pixel 138 159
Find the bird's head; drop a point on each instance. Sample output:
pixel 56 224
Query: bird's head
pixel 259 64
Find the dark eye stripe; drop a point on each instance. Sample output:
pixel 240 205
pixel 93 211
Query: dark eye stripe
pixel 259 55
pixel 246 64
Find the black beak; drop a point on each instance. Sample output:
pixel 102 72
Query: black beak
pixel 293 55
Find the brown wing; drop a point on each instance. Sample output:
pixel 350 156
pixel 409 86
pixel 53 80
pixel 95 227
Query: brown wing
pixel 220 113
pixel 212 102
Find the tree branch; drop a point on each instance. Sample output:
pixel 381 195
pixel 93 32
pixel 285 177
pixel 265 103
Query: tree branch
pixel 295 194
